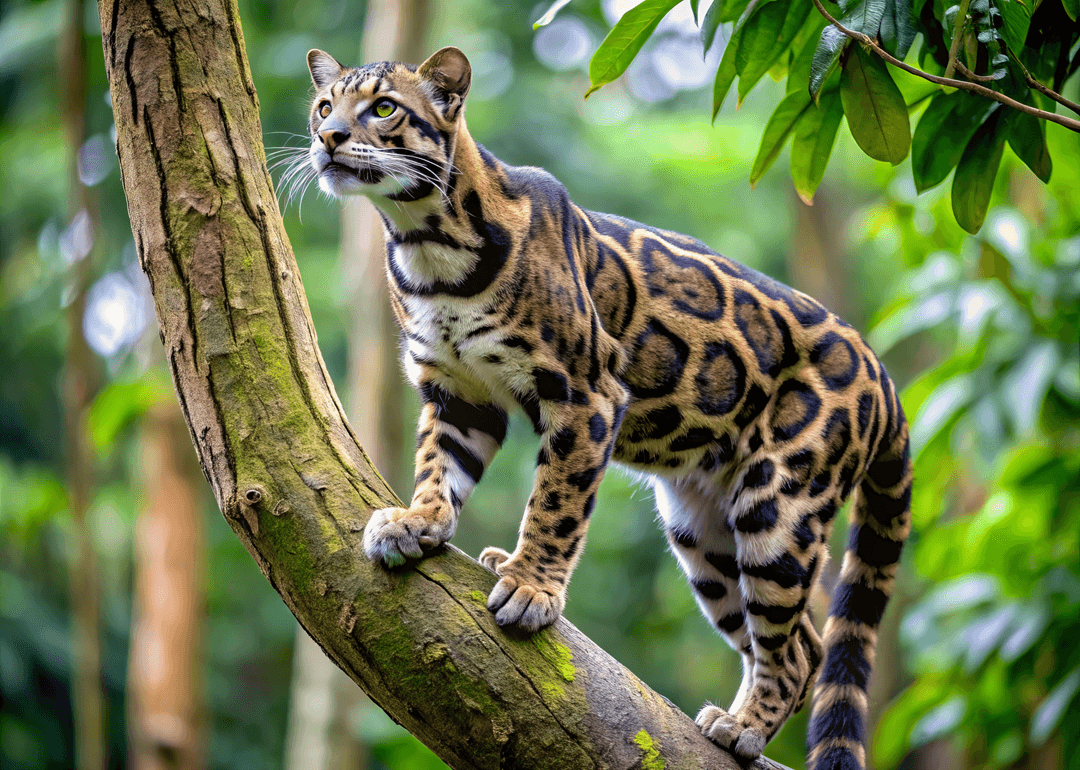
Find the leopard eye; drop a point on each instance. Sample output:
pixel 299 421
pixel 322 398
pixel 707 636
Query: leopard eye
pixel 384 108
pixel 324 109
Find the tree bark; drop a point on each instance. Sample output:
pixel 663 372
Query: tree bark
pixel 286 469
pixel 165 714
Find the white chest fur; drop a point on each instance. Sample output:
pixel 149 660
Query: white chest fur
pixel 463 341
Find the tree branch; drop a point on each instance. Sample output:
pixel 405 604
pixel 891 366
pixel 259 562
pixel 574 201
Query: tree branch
pixel 964 85
pixel 285 467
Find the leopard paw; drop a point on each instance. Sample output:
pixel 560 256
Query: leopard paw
pixel 731 733
pixel 393 535
pixel 492 558
pixel 519 602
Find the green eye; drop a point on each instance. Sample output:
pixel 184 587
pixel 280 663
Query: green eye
pixel 384 108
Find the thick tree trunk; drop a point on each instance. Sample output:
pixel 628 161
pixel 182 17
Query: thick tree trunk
pixel 286 469
pixel 165 716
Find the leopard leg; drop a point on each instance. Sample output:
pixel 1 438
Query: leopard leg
pixel 779 552
pixel 455 442
pixel 703 542
pixel 577 442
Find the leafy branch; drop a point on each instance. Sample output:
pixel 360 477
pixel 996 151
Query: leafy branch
pixel 964 85
pixel 1022 46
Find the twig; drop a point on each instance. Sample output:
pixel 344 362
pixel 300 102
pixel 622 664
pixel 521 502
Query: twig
pixel 958 32
pixel 972 76
pixel 963 85
pixel 1043 89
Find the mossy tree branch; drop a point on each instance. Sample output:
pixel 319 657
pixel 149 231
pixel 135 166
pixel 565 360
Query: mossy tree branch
pixel 287 471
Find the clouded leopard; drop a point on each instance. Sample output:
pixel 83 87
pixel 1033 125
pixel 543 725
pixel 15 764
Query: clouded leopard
pixel 752 410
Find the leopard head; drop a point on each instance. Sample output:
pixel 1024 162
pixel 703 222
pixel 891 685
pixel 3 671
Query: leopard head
pixel 386 130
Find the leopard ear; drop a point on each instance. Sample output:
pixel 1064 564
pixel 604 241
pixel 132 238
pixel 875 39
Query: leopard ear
pixel 449 71
pixel 324 68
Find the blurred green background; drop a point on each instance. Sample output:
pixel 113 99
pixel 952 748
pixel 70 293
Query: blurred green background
pixel 979 665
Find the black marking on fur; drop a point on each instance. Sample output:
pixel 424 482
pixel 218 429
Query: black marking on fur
pixel 836 360
pixel 551 386
pixel 784 570
pixel 873 549
pixel 724 563
pixel 759 474
pixel 841 720
pixel 721 379
pixel 731 623
pixel 583 479
pixel 713 590
pixel 760 516
pixel 859 603
pixel 566 526
pixel 837 434
pixel 597 428
pixel 809 402
pixel 657 363
pixel 866 405
pixel 562 443
pixel 692 439
pixel 755 403
pixel 463 456
pixel 463 415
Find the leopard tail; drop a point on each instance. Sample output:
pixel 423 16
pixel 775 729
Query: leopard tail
pixel 880 523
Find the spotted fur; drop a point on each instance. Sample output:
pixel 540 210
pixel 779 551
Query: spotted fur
pixel 752 410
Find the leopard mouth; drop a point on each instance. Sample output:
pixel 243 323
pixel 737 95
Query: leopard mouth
pixel 339 171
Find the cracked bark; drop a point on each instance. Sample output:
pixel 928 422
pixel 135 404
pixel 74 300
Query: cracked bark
pixel 285 467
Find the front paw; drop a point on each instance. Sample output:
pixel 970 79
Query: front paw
pixel 394 534
pixel 518 601
pixel 729 732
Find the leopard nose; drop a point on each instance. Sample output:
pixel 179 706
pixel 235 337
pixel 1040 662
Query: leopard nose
pixel 332 137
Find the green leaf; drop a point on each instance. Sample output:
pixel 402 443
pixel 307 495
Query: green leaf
pixel 974 179
pixel 1027 138
pixel 117 405
pixel 941 135
pixel 829 48
pixel 693 9
pixel 1049 713
pixel 710 23
pixel 1072 7
pixel 815 134
pixel 624 41
pixel 777 130
pixel 875 109
pixel 766 35
pixel 725 74
pixel 1016 18
pixel 897 31
pixel 865 17
pixel 549 14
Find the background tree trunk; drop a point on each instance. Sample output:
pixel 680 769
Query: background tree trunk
pixel 325 705
pixel 80 382
pixel 165 716
pixel 285 467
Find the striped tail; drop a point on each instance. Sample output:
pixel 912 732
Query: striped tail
pixel 880 522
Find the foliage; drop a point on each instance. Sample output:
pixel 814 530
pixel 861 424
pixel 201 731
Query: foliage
pixel 1005 40
pixel 996 438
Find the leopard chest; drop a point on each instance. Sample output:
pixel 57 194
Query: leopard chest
pixel 462 343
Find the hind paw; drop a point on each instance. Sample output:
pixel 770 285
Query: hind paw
pixel 731 733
